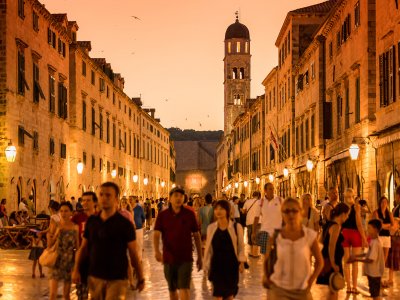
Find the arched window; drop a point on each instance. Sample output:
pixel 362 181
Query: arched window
pixel 241 74
pixel 237 47
pixel 235 73
pixel 229 47
pixel 246 47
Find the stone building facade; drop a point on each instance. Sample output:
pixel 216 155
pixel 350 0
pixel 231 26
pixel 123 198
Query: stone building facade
pixel 61 107
pixel 334 86
pixel 195 166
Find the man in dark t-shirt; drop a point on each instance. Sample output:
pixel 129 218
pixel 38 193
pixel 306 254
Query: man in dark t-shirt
pixel 176 225
pixel 106 239
pixel 89 203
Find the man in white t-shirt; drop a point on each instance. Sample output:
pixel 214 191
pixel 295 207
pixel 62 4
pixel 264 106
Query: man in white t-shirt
pixel 269 212
pixel 23 205
pixel 251 211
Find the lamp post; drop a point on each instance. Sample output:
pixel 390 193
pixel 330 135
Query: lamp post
pixel 10 151
pixel 286 172
pixel 79 167
pixel 135 178
pixel 257 180
pixel 271 177
pixel 309 165
pixel 354 151
pixel 114 173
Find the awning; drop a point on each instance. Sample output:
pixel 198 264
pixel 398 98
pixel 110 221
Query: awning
pixel 395 136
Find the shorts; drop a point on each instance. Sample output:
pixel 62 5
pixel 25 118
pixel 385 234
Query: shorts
pixel 352 238
pixel 374 284
pixel 178 276
pixel 385 241
pixel 249 233
pixel 262 241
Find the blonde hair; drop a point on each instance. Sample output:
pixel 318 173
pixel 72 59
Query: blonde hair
pixel 306 195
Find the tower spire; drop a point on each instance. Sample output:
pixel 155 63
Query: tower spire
pixel 237 16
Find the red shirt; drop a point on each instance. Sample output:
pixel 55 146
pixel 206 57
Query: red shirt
pixel 176 231
pixel 80 220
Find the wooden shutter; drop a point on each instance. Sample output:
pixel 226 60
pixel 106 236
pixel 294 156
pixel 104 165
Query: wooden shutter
pixel 381 81
pixel 393 50
pixel 65 102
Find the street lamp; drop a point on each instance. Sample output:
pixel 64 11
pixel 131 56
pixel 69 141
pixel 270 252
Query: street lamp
pixel 162 184
pixel 286 172
pixel 309 165
pixel 11 152
pixel 173 185
pixel 271 177
pixel 145 181
pixel 245 184
pixel 135 178
pixel 257 180
pixel 114 173
pixel 354 151
pixel 79 167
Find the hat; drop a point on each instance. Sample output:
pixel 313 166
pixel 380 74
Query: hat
pixel 177 189
pixel 336 282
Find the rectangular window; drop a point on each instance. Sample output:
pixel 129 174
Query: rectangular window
pixel 21 136
pixel 108 131
pixel 307 135
pixel 102 84
pixel 357 18
pixel 22 84
pixel 312 71
pixel 302 138
pixel 35 21
pixel 35 141
pixel 101 125
pixel 119 139
pixel 93 78
pixel 113 98
pixel 339 114
pixel 37 89
pixel 229 47
pixel 312 131
pixel 114 133
pixel 237 47
pixel 93 162
pixel 330 50
pixel 108 92
pixel 83 68
pixel 125 141
pixel 130 143
pixel 51 147
pixel 62 101
pixel 347 110
pixel 83 115
pixel 100 164
pixel 52 94
pixel 21 9
pixel 63 151
pixel 358 105
pixel 84 158
pixel 93 121
pixel 387 77
pixel 288 41
pixel 108 167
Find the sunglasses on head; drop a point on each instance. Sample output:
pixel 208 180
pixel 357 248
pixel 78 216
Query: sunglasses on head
pixel 288 211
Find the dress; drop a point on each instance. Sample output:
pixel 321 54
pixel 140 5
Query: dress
pixel 339 253
pixel 224 269
pixel 65 258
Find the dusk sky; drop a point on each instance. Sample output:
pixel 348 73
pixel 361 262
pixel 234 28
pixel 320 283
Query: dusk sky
pixel 172 55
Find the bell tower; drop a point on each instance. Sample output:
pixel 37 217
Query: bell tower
pixel 236 72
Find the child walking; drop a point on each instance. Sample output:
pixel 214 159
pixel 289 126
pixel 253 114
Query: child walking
pixel 36 251
pixel 374 259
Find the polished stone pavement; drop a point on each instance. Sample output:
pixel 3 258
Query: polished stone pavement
pixel 17 284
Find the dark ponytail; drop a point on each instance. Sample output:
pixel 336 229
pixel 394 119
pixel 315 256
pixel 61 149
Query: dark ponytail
pixel 339 209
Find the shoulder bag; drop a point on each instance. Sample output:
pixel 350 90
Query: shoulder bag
pixel 49 256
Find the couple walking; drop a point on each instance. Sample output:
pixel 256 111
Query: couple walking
pixel 223 255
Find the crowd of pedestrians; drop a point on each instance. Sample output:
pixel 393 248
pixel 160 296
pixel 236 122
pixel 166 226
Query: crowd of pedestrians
pixel 99 242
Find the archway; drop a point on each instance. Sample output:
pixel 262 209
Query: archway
pixel 32 196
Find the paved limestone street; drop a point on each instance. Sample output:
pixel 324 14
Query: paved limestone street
pixel 17 284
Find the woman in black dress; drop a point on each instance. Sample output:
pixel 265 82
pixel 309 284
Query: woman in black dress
pixel 332 250
pixel 224 253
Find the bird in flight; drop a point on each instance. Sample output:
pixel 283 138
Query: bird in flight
pixel 132 53
pixel 166 100
pixel 200 124
pixel 136 18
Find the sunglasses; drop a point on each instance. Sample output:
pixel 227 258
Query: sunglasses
pixel 288 211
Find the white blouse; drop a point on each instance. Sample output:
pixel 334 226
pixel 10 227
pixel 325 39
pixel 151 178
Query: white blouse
pixel 293 266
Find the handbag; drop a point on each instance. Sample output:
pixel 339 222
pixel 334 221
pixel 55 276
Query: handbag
pixel 49 256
